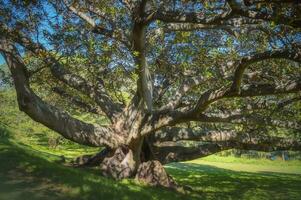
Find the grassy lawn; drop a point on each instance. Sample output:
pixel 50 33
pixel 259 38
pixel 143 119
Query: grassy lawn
pixel 28 173
pixel 239 180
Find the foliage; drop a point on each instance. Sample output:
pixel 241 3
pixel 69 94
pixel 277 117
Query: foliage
pixel 95 43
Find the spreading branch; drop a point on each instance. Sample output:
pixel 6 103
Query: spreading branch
pixel 212 141
pixel 77 101
pixel 55 119
pixel 97 93
pixel 114 33
pixel 235 90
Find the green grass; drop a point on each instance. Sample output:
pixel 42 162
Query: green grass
pixel 28 173
pixel 33 134
pixel 250 165
pixel 215 182
pixel 31 169
pixel 244 160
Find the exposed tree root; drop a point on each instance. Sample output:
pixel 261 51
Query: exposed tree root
pixel 153 173
pixel 90 160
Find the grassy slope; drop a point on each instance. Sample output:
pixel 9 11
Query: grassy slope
pixel 29 169
pixel 27 173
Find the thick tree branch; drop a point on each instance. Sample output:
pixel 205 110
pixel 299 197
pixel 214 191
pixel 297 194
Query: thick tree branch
pixel 89 20
pixel 186 86
pixel 177 133
pixel 238 118
pixel 189 17
pixel 97 93
pixel 158 120
pixel 115 33
pixel 76 101
pixel 243 11
pixel 173 134
pixel 144 84
pixel 227 25
pixel 211 142
pixel 171 152
pixel 251 90
pixel 53 118
pixel 241 65
pixel 293 86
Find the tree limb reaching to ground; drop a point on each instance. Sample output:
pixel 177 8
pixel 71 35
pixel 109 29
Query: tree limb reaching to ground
pixel 223 73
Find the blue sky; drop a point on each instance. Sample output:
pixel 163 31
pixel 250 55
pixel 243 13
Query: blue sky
pixel 44 26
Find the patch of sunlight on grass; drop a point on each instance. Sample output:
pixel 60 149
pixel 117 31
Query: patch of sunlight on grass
pixel 214 181
pixel 29 174
pixel 250 165
pixel 49 180
pixel 259 161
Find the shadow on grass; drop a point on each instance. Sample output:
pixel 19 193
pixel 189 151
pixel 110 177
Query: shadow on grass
pixel 26 175
pixel 30 174
pixel 217 183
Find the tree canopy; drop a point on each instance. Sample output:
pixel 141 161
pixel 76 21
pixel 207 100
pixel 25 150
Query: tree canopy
pixel 223 73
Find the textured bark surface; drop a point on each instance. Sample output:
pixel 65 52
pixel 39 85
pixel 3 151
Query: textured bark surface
pixel 174 153
pixel 91 160
pixel 120 165
pixel 153 173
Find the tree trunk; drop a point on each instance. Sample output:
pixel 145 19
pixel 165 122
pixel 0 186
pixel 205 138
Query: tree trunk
pixel 121 164
pixel 136 160
pixel 123 161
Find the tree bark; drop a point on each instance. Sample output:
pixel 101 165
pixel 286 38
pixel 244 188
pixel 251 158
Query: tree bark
pixel 50 116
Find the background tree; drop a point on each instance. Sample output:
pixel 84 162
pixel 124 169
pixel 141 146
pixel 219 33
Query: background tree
pixel 225 74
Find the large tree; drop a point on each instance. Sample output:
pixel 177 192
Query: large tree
pixel 223 73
